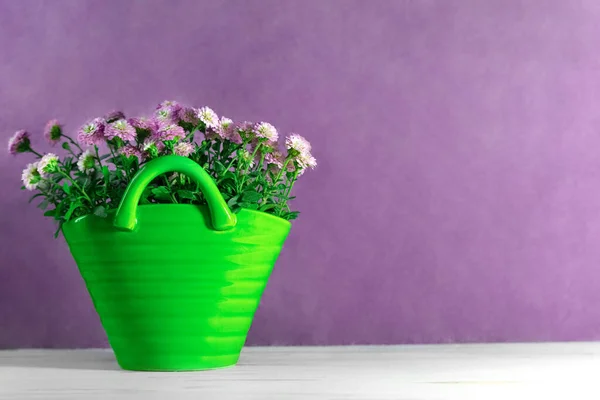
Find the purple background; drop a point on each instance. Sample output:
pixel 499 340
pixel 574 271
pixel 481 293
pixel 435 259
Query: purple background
pixel 457 197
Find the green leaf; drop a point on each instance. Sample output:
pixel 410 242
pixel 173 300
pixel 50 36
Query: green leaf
pixel 251 196
pixel 100 211
pixel 267 207
pixel 161 193
pixel 72 208
pixel 43 205
pixel 147 192
pixel 250 206
pixel 106 174
pixel 219 167
pixel 66 146
pixel 58 229
pixel 186 194
pixel 232 201
pixel 66 188
pixel 290 215
pixel 104 157
pixel 50 213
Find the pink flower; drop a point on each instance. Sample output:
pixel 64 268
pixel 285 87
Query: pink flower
pixel 246 126
pixel 276 159
pixel 183 149
pixel 19 142
pixel 53 132
pixel 234 136
pixel 266 131
pixel 167 113
pixel 227 130
pixel 170 132
pixel 143 123
pixel 209 117
pixel 189 115
pixel 129 150
pixel 170 104
pixel 92 133
pixel 297 143
pixel 121 129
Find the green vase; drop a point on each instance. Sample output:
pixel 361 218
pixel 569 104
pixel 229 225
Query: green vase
pixel 176 286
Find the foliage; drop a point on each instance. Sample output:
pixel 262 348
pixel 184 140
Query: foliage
pixel 245 161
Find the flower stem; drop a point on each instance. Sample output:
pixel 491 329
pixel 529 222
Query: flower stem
pixel 283 168
pixel 35 152
pixel 288 191
pixel 250 163
pixel 170 190
pixel 77 186
pixel 226 169
pixel 72 141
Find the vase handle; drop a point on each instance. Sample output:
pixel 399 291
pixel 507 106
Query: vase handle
pixel 221 216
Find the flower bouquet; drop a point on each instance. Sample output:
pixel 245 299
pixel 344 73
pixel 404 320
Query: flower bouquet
pixel 175 222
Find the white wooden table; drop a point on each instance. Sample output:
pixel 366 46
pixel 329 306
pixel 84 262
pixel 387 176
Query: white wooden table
pixel 486 371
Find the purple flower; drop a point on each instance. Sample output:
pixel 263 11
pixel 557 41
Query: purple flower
pixel 143 123
pixel 164 117
pixel 130 150
pixel 169 104
pixel 189 115
pixel 19 142
pixel 246 130
pixel 170 132
pixel 121 129
pixel 234 136
pixel 246 126
pixel 183 149
pixel 225 131
pixel 276 159
pixel 114 116
pixel 53 132
pixel 167 113
pixel 92 133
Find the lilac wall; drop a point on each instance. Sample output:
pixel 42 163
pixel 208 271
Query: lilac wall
pixel 459 144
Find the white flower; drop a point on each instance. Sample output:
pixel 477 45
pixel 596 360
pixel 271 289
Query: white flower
pixel 267 131
pixel 297 143
pixel 209 117
pixel 183 149
pixel 306 160
pixel 225 122
pixel 31 177
pixel 48 164
pixel 86 162
pixel 148 144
